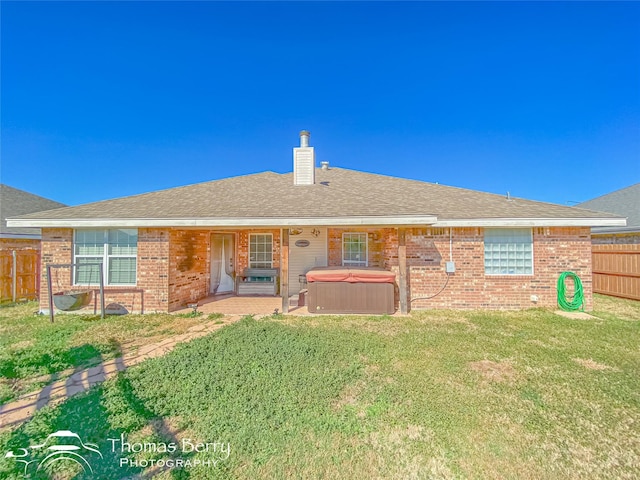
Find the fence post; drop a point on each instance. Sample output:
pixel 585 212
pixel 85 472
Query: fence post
pixel 14 276
pixel 51 313
pixel 101 291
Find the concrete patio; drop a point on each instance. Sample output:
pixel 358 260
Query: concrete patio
pixel 245 305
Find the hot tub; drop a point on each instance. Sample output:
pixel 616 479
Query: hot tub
pixel 351 290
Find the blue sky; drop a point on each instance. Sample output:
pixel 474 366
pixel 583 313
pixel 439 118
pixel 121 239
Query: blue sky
pixel 106 99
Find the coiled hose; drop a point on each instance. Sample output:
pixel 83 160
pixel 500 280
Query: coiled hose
pixel 577 301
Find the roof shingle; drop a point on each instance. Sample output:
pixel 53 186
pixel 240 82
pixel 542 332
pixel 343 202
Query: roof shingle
pixel 15 202
pixel 624 202
pixel 337 193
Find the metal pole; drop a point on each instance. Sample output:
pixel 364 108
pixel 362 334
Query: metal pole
pixel 14 276
pixel 101 291
pixel 50 293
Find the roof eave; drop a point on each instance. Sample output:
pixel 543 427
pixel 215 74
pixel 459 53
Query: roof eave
pixel 532 222
pixel 614 230
pixel 310 221
pixel 226 222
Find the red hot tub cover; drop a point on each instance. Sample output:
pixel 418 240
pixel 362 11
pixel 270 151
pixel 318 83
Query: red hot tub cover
pixel 351 275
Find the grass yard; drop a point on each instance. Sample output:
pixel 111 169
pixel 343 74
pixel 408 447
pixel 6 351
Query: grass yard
pixel 34 351
pixel 437 395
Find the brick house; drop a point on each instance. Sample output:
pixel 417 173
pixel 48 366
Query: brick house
pixel 470 249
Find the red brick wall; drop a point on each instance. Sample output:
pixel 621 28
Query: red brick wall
pixel 378 242
pixel 555 250
pixel 189 266
pixel 173 265
pixel 152 266
pixel 56 247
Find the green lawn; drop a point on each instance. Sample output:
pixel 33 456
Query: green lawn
pixel 34 351
pixel 478 395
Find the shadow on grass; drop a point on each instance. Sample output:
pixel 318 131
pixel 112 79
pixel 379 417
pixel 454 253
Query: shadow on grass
pixel 106 416
pixel 29 361
pixel 84 415
pixel 27 369
pixel 161 432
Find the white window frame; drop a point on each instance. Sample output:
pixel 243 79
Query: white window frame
pixel 506 254
pixel 356 263
pixel 104 257
pixel 251 263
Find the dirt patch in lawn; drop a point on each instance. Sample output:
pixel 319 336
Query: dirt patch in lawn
pixel 494 371
pixel 21 345
pixel 593 365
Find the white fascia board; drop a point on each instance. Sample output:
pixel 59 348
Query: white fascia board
pixel 532 222
pixel 409 220
pixel 224 222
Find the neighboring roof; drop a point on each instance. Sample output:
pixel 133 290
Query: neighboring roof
pixel 624 202
pixel 14 202
pixel 339 197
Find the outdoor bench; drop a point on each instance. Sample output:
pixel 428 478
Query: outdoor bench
pixel 258 281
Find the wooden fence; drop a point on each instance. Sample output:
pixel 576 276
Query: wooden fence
pixel 19 275
pixel 616 270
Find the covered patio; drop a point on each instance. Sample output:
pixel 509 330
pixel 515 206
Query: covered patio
pixel 259 270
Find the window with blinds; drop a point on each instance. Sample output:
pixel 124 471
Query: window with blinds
pixel 260 250
pixel 354 249
pixel 115 249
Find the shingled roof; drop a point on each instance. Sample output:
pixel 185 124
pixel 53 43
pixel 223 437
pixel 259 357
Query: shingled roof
pixel 338 197
pixel 14 202
pixel 624 202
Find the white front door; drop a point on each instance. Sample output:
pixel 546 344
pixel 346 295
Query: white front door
pixel 222 256
pixel 307 249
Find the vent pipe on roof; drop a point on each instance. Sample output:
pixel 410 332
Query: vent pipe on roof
pixel 304 138
pixel 304 162
pixel 324 165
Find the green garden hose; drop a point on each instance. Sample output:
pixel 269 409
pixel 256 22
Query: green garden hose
pixel 577 302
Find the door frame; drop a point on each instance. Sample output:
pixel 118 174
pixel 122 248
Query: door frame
pixel 234 263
